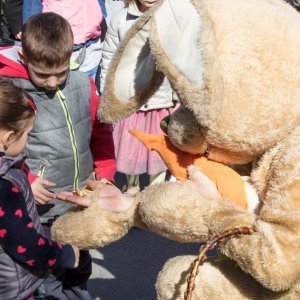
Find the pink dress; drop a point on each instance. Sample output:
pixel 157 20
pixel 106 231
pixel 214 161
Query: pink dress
pixel 133 158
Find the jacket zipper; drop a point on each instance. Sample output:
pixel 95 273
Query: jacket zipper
pixel 63 103
pixel 41 170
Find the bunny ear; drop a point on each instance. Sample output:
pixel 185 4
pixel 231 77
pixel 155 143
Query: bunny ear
pixel 169 40
pixel 132 77
pixel 183 43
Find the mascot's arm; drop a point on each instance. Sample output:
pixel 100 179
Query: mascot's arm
pixel 271 254
pixel 174 210
pixel 181 212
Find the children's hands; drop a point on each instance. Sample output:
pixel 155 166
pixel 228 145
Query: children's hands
pixel 71 198
pixel 40 193
pixel 77 255
pixel 106 195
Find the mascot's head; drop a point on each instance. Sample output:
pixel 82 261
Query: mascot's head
pixel 235 66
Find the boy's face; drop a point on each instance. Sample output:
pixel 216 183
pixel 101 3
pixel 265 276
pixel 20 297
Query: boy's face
pixel 47 78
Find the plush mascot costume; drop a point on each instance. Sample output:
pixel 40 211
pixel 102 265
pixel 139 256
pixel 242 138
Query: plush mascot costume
pixel 235 65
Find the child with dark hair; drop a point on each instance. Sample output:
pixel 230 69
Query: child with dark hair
pixel 67 142
pixel 25 253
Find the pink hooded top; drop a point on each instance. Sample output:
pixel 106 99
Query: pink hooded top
pixel 84 16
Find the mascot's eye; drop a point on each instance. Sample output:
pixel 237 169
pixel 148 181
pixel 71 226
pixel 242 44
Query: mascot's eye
pixel 206 153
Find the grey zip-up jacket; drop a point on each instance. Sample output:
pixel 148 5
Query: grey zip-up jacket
pixel 58 147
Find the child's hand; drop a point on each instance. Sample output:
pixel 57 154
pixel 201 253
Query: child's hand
pixel 106 195
pixel 84 201
pixel 77 255
pixel 42 195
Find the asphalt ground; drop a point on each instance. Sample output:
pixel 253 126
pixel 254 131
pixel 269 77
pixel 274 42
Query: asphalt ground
pixel 127 269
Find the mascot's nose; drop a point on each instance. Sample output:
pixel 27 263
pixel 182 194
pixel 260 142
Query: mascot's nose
pixel 164 124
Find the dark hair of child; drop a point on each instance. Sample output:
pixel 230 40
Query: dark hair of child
pixel 16 109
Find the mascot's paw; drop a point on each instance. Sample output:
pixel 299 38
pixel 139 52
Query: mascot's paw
pixel 202 183
pixel 92 227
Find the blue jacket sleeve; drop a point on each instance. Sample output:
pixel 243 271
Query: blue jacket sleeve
pixel 30 8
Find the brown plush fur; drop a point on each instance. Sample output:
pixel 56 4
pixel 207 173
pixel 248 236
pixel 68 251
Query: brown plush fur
pixel 81 226
pixel 246 76
pixel 217 279
pixel 248 108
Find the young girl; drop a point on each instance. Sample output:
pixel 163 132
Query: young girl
pixel 138 160
pixel 25 254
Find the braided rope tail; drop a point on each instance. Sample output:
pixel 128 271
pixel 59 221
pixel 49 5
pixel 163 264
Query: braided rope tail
pixel 208 246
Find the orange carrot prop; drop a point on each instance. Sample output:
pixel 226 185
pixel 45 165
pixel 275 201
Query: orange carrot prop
pixel 229 183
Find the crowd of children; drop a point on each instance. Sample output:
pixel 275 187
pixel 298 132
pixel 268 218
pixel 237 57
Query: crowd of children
pixel 48 105
pixel 67 144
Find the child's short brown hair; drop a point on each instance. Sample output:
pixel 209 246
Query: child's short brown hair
pixel 47 38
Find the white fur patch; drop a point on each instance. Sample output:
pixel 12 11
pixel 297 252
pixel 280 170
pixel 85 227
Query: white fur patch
pixel 178 26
